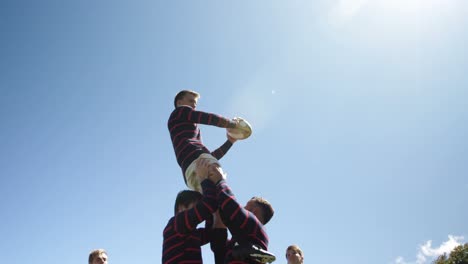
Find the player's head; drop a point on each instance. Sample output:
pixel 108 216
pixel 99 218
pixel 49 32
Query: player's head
pixel 97 256
pixel 185 200
pixel 186 97
pixel 294 255
pixel 261 208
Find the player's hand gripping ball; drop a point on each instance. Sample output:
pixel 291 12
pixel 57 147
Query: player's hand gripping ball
pixel 243 129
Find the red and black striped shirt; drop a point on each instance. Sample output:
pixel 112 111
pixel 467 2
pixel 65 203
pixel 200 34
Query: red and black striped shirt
pixel 243 225
pixel 182 239
pixel 186 136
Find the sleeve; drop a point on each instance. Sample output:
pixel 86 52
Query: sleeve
pixel 219 152
pixel 239 220
pixel 188 220
pixel 199 117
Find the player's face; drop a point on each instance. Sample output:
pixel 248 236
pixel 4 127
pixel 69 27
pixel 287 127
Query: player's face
pixel 253 208
pixel 100 259
pixel 294 257
pixel 250 206
pixel 190 100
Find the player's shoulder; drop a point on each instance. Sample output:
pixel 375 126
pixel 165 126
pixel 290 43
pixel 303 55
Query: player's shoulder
pixel 178 111
pixel 169 226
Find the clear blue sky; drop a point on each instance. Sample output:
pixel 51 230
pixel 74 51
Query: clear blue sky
pixel 359 110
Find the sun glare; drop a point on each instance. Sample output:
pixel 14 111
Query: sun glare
pixel 415 8
pixel 344 11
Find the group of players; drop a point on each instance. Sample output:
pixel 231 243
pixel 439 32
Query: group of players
pixel 210 198
pixel 294 255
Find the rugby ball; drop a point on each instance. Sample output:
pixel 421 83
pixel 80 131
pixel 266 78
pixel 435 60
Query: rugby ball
pixel 242 131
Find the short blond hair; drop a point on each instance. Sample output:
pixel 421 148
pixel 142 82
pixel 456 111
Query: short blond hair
pixel 94 254
pixel 182 93
pixel 294 248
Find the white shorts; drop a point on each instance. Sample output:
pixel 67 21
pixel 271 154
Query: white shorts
pixel 191 176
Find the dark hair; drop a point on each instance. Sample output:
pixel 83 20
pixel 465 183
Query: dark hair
pixel 265 206
pixel 182 93
pixel 185 198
